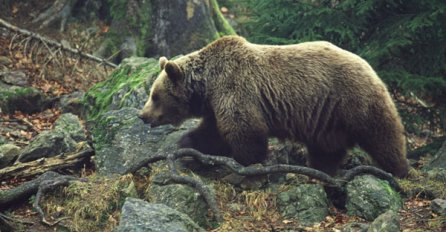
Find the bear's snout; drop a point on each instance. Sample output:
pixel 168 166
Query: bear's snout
pixel 144 119
pixel 154 122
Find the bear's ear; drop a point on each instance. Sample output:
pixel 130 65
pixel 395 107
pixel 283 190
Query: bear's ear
pixel 173 71
pixel 163 60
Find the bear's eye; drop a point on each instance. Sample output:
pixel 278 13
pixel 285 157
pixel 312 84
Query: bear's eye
pixel 155 97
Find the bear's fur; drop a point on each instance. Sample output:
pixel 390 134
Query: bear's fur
pixel 313 92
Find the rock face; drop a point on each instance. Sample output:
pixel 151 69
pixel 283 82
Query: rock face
pixel 368 197
pixel 68 131
pixel 138 215
pixel 120 138
pixel 388 221
pixel 307 203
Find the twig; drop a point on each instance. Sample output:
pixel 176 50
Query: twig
pixel 28 123
pixel 54 43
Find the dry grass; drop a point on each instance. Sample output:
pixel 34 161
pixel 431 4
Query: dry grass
pixel 91 205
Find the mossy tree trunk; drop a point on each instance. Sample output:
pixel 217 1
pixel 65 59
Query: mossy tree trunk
pixel 148 28
pixel 155 28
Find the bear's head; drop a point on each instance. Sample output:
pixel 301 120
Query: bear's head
pixel 168 100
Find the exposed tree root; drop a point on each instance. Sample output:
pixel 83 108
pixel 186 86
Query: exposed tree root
pixel 49 180
pixel 209 195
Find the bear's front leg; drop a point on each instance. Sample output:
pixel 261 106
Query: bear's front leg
pixel 248 141
pixel 206 139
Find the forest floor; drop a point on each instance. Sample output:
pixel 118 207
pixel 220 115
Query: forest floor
pixel 56 77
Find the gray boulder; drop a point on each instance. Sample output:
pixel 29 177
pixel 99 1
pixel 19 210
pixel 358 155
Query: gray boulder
pixel 307 203
pixel 122 140
pixel 355 227
pixel 8 153
pixel 72 126
pixel 438 206
pixel 68 131
pixel 72 103
pixel 368 197
pixel 140 216
pixel 182 198
pixel 439 160
pixel 18 78
pixel 386 222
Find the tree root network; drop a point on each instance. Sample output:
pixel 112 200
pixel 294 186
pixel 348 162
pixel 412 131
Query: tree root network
pixel 50 179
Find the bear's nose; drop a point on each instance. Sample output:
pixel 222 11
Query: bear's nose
pixel 140 115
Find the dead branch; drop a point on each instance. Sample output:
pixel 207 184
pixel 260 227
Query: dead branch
pixel 37 167
pixel 54 43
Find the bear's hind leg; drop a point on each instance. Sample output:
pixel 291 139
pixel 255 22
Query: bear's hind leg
pixel 388 150
pixel 326 161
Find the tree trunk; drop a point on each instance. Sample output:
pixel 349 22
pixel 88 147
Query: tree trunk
pixel 155 28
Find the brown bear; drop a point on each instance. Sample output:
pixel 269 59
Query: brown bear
pixel 312 92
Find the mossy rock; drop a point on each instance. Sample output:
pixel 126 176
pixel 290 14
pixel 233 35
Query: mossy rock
pixel 183 198
pixel 368 197
pixel 128 86
pixel 308 203
pixel 138 215
pixel 25 99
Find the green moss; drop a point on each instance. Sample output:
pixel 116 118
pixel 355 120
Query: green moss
pixel 398 203
pixel 99 98
pixel 16 92
pixel 221 24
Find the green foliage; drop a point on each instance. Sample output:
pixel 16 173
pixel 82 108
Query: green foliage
pixel 405 41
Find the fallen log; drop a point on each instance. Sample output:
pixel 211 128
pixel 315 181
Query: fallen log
pixel 40 166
